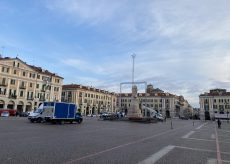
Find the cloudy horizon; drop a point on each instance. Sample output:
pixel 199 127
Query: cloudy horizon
pixel 181 46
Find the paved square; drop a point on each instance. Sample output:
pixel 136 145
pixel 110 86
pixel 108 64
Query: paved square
pixel 102 142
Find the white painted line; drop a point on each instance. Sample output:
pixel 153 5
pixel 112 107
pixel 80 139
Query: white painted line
pixel 223 130
pixel 218 149
pixel 189 134
pixel 155 157
pixel 213 136
pixel 195 149
pixel 199 139
pixel 225 161
pixel 202 150
pixel 199 127
pixel 225 142
pixel 121 146
pixel 211 161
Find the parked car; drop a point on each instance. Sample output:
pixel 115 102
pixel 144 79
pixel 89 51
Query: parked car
pixel 23 114
pixel 5 114
pixel 12 112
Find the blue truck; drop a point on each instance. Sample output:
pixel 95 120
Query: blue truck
pixel 60 112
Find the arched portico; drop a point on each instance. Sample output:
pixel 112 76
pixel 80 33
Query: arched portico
pixel 20 106
pixel 10 105
pixel 28 106
pixel 2 104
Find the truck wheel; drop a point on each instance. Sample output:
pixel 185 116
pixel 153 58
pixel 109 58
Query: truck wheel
pixel 71 122
pixel 79 121
pixel 61 122
pixel 39 120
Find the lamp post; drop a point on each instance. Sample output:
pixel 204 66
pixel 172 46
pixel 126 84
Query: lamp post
pixel 133 56
pixel 192 116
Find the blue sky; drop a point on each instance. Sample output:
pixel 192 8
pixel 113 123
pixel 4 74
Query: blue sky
pixel 181 46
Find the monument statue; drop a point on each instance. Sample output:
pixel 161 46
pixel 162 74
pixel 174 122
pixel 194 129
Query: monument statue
pixel 134 112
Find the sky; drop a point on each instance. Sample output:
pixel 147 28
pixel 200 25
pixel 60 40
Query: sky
pixel 181 46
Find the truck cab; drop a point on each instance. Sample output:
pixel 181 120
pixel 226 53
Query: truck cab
pixel 36 116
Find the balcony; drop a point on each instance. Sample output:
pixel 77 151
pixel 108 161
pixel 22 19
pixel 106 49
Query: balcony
pixel 2 93
pixel 43 90
pixel 3 84
pixel 22 87
pixel 30 98
pixel 42 99
pixel 12 96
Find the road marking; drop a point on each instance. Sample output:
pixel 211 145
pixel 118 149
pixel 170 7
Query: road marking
pixel 200 139
pixel 195 149
pixel 213 136
pixel 225 161
pixel 218 148
pixel 224 130
pixel 214 161
pixel 211 161
pixel 189 134
pixel 121 146
pixel 199 127
pixel 203 150
pixel 155 157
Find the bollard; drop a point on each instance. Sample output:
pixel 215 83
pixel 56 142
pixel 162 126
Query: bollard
pixel 171 124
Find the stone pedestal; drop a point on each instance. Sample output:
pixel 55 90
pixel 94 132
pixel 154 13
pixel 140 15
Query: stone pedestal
pixel 134 112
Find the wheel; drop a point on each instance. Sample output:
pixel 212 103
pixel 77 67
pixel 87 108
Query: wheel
pixel 79 121
pixel 39 120
pixel 32 121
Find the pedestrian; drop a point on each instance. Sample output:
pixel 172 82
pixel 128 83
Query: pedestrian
pixel 219 123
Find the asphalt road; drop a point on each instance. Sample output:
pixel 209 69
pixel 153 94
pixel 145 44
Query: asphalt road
pixel 113 142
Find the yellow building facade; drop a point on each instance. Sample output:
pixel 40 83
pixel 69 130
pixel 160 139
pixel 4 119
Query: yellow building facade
pixel 90 101
pixel 24 87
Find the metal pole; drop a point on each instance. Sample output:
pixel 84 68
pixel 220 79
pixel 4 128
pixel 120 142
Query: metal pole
pixel 192 117
pixel 133 56
pixel 171 124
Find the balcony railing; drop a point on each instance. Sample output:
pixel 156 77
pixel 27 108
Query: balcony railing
pixel 3 84
pixel 12 96
pixel 30 98
pixel 42 99
pixel 22 87
pixel 2 93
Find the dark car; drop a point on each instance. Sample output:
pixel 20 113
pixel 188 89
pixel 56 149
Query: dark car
pixel 23 114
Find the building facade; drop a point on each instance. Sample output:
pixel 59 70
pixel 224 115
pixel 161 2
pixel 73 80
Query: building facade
pixel 24 87
pixel 167 104
pixel 217 101
pixel 89 100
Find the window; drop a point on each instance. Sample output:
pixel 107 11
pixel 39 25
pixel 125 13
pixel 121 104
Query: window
pixel 37 86
pixel 31 85
pixel 3 80
pixel 38 76
pixel 12 81
pixel 23 73
pixel 18 64
pixel 6 70
pixel 15 71
pixel 21 93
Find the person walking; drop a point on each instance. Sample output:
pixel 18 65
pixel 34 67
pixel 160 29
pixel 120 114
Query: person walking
pixel 219 123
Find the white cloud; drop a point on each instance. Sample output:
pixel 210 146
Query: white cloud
pixel 181 45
